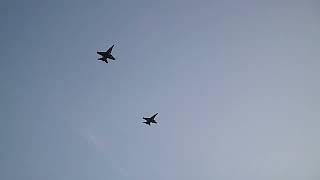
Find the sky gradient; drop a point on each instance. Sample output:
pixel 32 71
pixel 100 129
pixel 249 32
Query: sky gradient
pixel 236 86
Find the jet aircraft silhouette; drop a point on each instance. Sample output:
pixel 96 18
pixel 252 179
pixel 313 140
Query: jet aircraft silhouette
pixel 106 55
pixel 150 119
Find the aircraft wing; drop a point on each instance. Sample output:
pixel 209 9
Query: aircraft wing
pixel 110 49
pixel 154 116
pixel 111 57
pixel 101 53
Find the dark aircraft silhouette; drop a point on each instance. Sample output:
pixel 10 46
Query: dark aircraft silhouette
pixel 106 55
pixel 150 119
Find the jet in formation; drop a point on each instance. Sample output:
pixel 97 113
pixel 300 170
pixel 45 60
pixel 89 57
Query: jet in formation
pixel 150 119
pixel 106 55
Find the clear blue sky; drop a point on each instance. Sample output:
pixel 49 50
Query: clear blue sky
pixel 236 85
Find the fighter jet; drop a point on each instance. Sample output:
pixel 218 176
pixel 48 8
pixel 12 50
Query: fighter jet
pixel 150 119
pixel 106 55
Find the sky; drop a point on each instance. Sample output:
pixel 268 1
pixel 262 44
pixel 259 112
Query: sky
pixel 235 83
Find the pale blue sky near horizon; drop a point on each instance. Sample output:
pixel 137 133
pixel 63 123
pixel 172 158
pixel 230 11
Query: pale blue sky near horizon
pixel 235 83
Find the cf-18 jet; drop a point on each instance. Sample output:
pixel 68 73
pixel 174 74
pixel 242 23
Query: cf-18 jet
pixel 150 119
pixel 105 55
